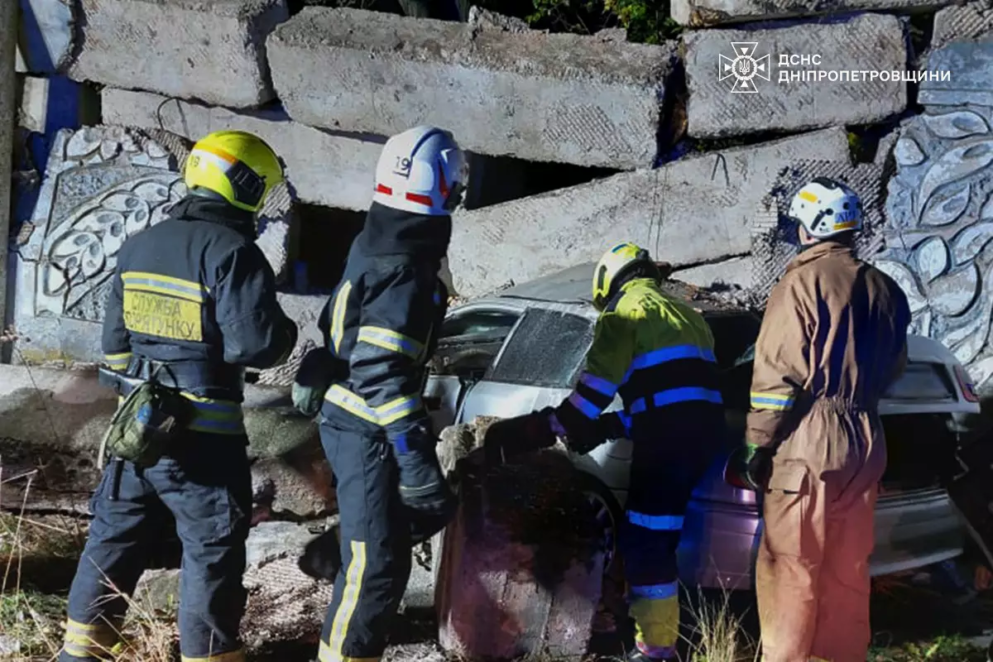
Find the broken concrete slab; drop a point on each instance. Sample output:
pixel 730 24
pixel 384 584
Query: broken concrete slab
pixel 324 167
pixel 686 212
pixel 212 51
pixel 774 235
pixel 67 412
pixel 871 45
pixel 102 185
pixel 962 22
pixel 524 552
pixel 55 102
pixel 304 310
pixel 732 273
pixel 703 13
pixel 967 65
pixel 541 97
pixel 45 40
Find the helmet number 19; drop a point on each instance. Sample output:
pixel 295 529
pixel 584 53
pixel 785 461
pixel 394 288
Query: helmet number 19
pixel 402 166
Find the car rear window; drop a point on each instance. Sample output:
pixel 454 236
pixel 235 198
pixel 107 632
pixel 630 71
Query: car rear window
pixel 546 349
pixel 922 381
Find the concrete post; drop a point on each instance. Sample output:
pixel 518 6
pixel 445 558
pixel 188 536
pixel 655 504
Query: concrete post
pixel 8 43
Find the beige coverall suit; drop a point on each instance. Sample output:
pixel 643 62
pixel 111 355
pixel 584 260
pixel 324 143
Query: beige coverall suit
pixel 832 340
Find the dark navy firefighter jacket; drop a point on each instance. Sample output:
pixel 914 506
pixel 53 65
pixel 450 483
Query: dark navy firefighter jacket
pixel 194 291
pixel 382 322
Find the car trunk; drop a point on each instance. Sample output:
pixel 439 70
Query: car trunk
pixel 919 452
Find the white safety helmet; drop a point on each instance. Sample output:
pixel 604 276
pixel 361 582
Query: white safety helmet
pixel 422 171
pixel 826 208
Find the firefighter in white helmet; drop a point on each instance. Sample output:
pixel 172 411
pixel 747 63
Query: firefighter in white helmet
pixel 380 327
pixel 832 340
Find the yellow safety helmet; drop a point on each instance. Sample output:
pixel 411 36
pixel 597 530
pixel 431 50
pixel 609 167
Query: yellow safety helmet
pixel 613 267
pixel 238 166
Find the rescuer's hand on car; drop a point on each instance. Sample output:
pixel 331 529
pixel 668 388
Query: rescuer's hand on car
pixel 511 437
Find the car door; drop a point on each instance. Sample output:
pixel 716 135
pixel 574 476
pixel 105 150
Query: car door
pixel 470 339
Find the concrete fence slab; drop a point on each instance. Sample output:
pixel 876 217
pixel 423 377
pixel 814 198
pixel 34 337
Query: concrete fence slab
pixel 700 13
pixel 536 96
pixel 733 92
pixel 324 167
pixel 690 211
pixel 212 50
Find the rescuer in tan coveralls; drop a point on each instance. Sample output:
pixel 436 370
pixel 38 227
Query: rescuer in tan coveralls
pixel 834 337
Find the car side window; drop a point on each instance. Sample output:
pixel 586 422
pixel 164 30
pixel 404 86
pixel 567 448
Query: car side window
pixel 469 342
pixel 547 349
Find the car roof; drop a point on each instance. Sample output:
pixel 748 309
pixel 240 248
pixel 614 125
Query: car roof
pixel 574 286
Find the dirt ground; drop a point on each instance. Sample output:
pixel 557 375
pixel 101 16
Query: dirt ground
pixel 941 614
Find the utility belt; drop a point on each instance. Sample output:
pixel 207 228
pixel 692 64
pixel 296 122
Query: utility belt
pixel 217 381
pixel 158 402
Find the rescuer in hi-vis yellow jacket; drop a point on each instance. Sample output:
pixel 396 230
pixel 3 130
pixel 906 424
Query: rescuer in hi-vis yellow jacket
pixel 833 338
pixel 192 303
pixel 657 354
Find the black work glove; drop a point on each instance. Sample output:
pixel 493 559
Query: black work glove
pixel 317 372
pixel 753 466
pixel 611 426
pixel 511 437
pixel 423 489
pixel 321 558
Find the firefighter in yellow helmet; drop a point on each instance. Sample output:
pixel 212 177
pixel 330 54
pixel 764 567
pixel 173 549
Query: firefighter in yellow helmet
pixel 657 354
pixel 191 304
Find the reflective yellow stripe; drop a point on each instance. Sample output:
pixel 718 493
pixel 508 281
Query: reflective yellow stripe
pixel 349 600
pixel 391 340
pixel 117 361
pixel 382 415
pixel 772 401
pixel 89 639
pixel 213 416
pixel 338 315
pixel 233 656
pixel 808 196
pixel 176 287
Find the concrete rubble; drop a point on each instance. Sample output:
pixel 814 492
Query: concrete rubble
pixel 520 567
pixel 701 13
pixel 324 167
pixel 212 51
pixel 64 414
pixel 52 100
pixel 962 22
pixel 694 210
pixel 865 43
pixel 562 98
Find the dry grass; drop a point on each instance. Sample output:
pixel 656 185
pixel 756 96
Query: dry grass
pixel 719 633
pixel 33 623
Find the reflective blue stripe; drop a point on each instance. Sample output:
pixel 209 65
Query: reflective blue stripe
pixel 599 384
pixel 657 356
pixel 625 421
pixel 676 395
pixel 656 592
pixel 553 422
pixel 589 409
pixel 201 424
pixel 656 522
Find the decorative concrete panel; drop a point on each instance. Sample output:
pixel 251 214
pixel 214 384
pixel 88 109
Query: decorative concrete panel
pixel 939 226
pixel 103 185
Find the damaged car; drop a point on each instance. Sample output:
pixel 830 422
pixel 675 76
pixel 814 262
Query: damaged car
pixel 523 349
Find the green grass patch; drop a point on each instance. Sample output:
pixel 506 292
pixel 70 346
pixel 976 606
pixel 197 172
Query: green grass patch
pixel 33 620
pixel 951 648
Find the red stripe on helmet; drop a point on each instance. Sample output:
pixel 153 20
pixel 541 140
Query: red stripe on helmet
pixel 442 184
pixel 420 199
pixel 385 190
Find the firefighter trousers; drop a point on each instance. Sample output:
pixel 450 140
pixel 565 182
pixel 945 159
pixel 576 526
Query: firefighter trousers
pixel 375 546
pixel 205 483
pixel 663 477
pixel 812 570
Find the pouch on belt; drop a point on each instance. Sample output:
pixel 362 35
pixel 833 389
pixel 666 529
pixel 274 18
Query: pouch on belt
pixel 146 421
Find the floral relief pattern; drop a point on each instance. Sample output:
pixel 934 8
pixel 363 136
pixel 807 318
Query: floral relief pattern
pixel 939 230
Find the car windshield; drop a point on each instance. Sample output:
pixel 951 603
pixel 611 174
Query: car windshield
pixel 547 349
